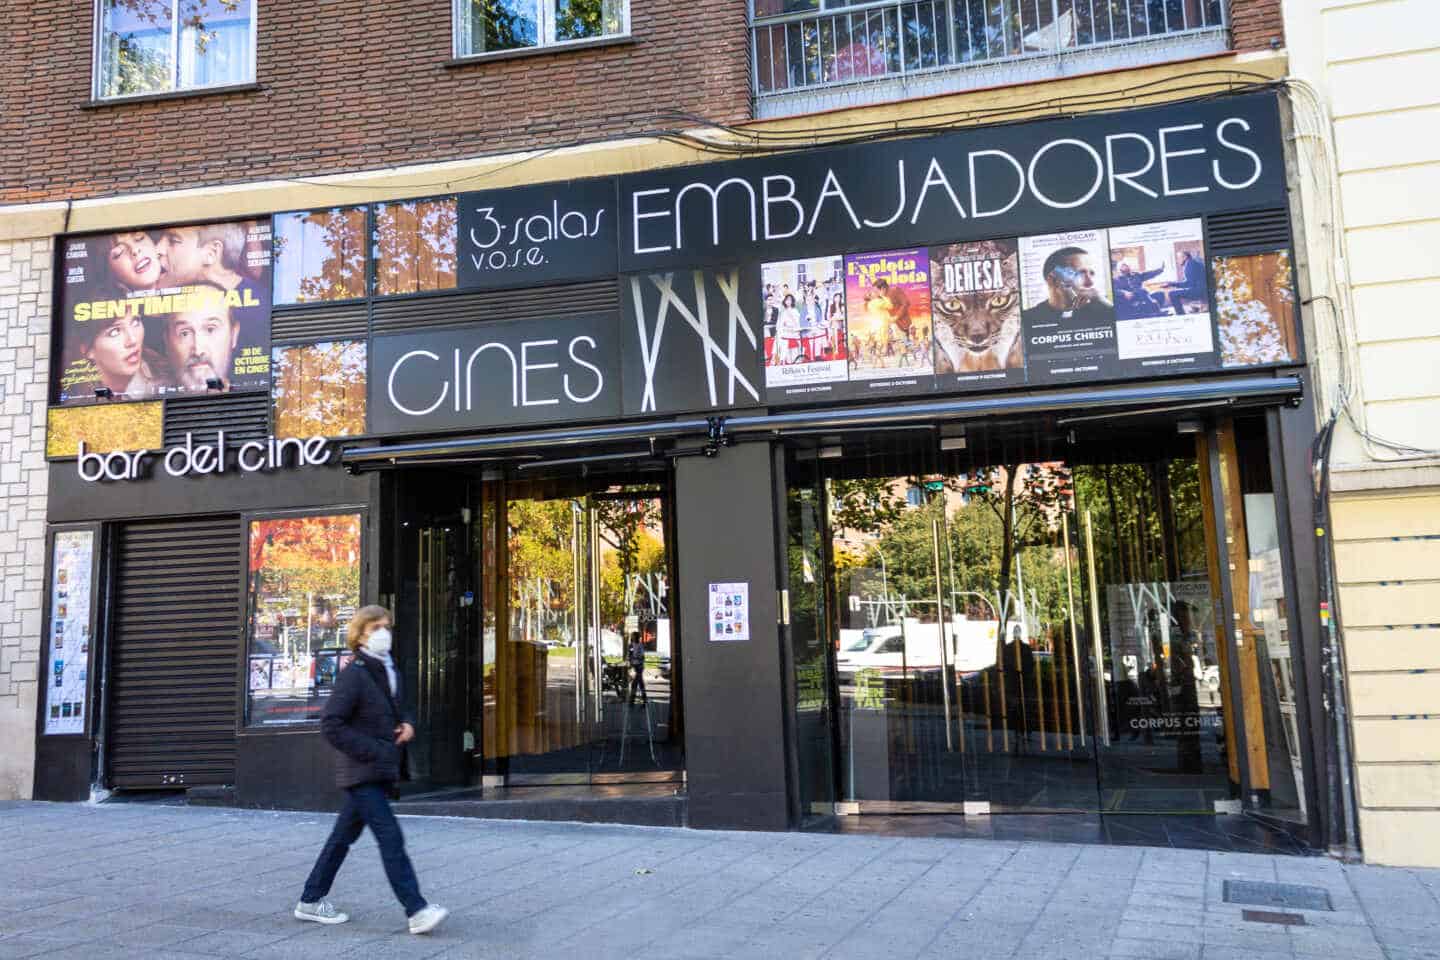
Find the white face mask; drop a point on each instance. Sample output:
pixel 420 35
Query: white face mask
pixel 378 642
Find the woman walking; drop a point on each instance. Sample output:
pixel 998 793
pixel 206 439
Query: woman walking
pixel 366 721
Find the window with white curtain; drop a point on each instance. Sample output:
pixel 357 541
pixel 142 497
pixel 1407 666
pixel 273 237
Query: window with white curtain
pixel 162 46
pixel 492 26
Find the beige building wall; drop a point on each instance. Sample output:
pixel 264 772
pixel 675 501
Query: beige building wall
pixel 25 274
pixel 1376 67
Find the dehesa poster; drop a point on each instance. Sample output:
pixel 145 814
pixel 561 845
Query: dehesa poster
pixel 175 310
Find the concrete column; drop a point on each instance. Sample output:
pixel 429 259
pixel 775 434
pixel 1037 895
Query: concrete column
pixel 26 268
pixel 735 744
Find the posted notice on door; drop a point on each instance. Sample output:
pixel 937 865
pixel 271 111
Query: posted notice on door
pixel 729 611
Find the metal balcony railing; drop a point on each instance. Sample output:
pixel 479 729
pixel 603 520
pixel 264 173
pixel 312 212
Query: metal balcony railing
pixel 805 44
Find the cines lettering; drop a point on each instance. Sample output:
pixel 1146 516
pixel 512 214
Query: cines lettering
pixel 457 378
pixel 192 298
pixel 189 459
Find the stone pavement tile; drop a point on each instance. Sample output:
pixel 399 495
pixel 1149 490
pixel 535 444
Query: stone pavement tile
pixel 970 938
pixel 1410 938
pixel 1212 951
pixel 23 899
pixel 1413 953
pixel 1158 931
pixel 230 943
pixel 1352 943
pixel 404 946
pixel 1404 919
pixel 154 935
pixel 1174 918
pixel 1246 866
pixel 14 948
pixel 1253 936
pixel 1155 950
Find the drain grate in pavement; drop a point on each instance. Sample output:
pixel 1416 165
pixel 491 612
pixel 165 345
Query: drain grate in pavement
pixel 1271 916
pixel 1294 896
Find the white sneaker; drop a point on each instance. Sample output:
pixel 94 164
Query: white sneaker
pixel 321 911
pixel 427 918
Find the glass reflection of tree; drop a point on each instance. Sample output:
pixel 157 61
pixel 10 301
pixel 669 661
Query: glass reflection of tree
pixel 316 558
pixel 578 19
pixel 630 527
pixel 340 274
pixel 131 65
pixel 319 390
pixel 134 67
pixel 542 588
pixel 415 246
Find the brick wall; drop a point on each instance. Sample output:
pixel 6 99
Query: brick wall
pixel 25 270
pixel 1256 24
pixel 350 86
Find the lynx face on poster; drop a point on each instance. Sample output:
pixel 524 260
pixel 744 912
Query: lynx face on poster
pixel 805 343
pixel 176 310
pixel 1068 315
pixel 975 310
pixel 887 318
pixel 1162 296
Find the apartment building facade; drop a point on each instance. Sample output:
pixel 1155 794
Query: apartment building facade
pixel 757 414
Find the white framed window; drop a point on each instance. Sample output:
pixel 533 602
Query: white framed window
pixel 163 46
pixel 496 26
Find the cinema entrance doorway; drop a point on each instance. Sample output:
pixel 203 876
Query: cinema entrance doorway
pixel 534 618
pixel 1026 618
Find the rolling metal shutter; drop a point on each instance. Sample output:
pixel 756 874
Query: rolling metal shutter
pixel 176 647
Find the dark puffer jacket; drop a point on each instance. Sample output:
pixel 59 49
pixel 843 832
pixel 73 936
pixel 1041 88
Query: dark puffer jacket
pixel 359 720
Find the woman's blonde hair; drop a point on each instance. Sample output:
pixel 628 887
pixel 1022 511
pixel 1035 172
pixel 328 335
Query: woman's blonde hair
pixel 360 626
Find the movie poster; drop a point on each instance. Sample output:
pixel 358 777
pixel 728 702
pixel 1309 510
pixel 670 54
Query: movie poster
pixel 975 310
pixel 155 313
pixel 805 345
pixel 1255 303
pixel 887 316
pixel 1162 296
pixel 67 686
pixel 1068 313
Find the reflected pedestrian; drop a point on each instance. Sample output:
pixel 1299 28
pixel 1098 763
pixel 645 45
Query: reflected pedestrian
pixel 366 721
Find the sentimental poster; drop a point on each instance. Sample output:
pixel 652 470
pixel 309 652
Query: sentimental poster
pixel 1068 313
pixel 67 680
pixel 729 611
pixel 975 311
pixel 887 314
pixel 805 344
pixel 176 310
pixel 1162 296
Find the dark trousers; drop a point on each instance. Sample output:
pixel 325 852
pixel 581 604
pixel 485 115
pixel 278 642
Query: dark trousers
pixel 367 806
pixel 1179 295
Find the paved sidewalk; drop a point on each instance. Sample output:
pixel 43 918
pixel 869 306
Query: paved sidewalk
pixel 162 882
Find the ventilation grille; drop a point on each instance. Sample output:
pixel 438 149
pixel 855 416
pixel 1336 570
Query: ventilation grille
pixel 176 645
pixel 537 303
pixel 243 416
pixel 346 321
pixel 1252 231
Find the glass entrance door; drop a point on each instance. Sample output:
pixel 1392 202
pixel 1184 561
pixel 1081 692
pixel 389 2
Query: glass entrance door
pixel 959 682
pixel 992 633
pixel 578 679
